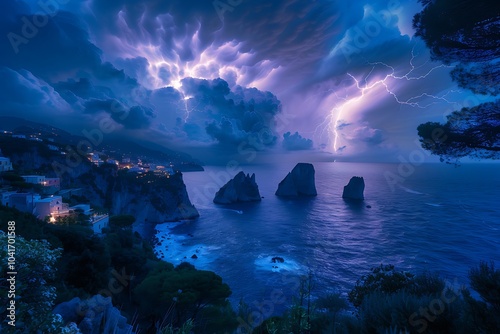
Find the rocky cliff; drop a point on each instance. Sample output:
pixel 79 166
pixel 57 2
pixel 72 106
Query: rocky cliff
pixel 94 315
pixel 354 189
pixel 242 188
pixel 148 197
pixel 299 182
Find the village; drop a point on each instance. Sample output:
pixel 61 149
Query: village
pixel 44 197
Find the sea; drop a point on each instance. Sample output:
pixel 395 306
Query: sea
pixel 432 217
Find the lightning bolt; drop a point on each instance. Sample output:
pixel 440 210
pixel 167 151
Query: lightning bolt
pixel 365 86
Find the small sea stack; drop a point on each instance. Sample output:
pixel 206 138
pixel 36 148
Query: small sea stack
pixel 354 189
pixel 242 188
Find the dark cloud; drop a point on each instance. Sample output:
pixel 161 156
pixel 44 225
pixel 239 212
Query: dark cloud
pixel 229 117
pixel 23 93
pixel 72 90
pixel 295 142
pixel 52 50
pixel 196 75
pixel 136 117
pixel 342 124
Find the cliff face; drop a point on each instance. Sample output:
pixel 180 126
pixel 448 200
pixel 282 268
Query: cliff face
pixel 29 155
pixel 299 182
pixel 147 197
pixel 242 188
pixel 354 189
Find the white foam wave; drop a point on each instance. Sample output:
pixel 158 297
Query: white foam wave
pixel 408 190
pixel 434 204
pixel 175 248
pixel 265 263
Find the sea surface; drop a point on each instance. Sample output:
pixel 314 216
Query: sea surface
pixel 436 217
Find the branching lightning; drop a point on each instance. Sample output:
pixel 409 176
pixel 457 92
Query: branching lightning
pixel 366 86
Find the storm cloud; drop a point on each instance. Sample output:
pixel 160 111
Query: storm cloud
pixel 195 75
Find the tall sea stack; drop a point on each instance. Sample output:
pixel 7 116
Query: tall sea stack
pixel 299 182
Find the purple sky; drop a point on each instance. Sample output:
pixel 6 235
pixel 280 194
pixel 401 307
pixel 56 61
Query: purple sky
pixel 213 78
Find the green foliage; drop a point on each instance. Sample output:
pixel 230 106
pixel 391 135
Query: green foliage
pixel 484 314
pixel 34 292
pixel 186 328
pixel 485 279
pixel 330 306
pixel 467 35
pixel 179 294
pixel 469 132
pixel 382 279
pixel 408 313
pixel 468 32
pixel 86 262
pixel 14 180
pixel 217 319
pixel 121 221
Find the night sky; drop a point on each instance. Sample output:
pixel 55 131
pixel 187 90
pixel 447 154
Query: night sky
pixel 332 79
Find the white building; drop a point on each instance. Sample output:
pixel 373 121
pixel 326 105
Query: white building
pixel 99 222
pixel 6 197
pixel 5 164
pixel 35 179
pixel 50 206
pixel 50 184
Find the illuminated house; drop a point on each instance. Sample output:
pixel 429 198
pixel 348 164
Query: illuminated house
pixel 50 206
pixel 51 185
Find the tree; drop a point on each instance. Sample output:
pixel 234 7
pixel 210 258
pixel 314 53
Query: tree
pixel 473 132
pixel 460 31
pixel 121 221
pixel 381 279
pixel 485 314
pixel 177 295
pixel 333 303
pixel 466 34
pixel 34 294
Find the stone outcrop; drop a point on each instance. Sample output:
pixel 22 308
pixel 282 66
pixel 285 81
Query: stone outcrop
pixel 354 189
pixel 94 315
pixel 299 182
pixel 242 188
pixel 150 198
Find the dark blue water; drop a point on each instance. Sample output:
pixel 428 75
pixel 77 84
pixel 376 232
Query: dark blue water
pixel 441 218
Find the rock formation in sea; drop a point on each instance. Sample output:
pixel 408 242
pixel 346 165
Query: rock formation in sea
pixel 354 189
pixel 242 188
pixel 299 182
